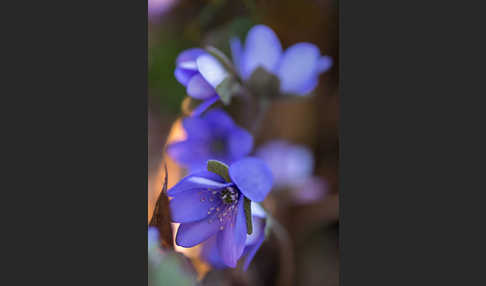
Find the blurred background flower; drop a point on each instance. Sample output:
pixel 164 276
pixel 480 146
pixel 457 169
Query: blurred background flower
pixel 212 136
pixel 290 164
pixel 298 67
pixel 156 8
pixel 200 73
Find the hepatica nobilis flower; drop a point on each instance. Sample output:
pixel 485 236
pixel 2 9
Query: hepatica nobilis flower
pixel 297 68
pixel 213 135
pixel 292 168
pixel 216 205
pixel 200 73
pixel 291 164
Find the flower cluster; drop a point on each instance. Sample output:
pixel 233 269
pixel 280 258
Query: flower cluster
pixel 296 69
pixel 217 203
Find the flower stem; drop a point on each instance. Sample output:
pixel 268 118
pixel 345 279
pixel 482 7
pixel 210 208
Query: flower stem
pixel 286 253
pixel 286 273
pixel 263 104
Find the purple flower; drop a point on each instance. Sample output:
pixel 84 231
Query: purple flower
pixel 200 73
pixel 211 136
pixel 208 207
pixel 290 164
pixel 211 251
pixel 292 168
pixel 156 8
pixel 310 190
pixel 298 68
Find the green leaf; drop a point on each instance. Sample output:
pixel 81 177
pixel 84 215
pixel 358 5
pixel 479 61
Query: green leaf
pixel 219 168
pixel 228 88
pixel 171 270
pixel 249 224
pixel 264 84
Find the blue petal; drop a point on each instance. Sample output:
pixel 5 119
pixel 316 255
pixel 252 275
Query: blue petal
pixel 193 206
pixel 189 153
pixel 189 55
pixel 289 163
pixel 240 143
pixel 309 86
pixel 221 123
pixel 237 53
pixel 252 249
pixel 257 211
pixel 258 230
pixel 153 237
pixel 231 239
pixel 210 253
pixel 183 76
pixel 196 128
pixel 199 180
pixel 211 69
pixel 204 106
pixel 298 67
pixel 262 48
pixel 310 190
pixel 199 88
pixel 192 233
pixel 252 177
pixel 323 64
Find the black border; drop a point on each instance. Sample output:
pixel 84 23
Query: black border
pixel 410 115
pixel 76 160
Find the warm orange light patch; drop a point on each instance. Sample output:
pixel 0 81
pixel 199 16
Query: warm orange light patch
pixel 156 181
pixel 155 184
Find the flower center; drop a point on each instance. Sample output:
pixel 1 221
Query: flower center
pixel 218 146
pixel 229 195
pixel 225 212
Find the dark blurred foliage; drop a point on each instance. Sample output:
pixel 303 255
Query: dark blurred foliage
pixel 312 122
